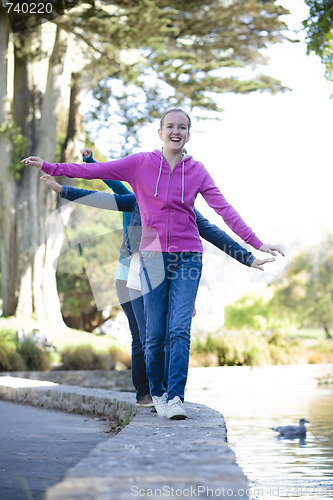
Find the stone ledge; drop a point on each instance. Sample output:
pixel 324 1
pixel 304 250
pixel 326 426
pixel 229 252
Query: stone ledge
pixel 111 380
pixel 151 456
pixel 119 406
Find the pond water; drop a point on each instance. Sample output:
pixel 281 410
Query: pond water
pixel 278 467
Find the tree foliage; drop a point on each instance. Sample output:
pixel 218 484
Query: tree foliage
pixel 191 52
pixel 319 28
pixel 305 292
pixel 256 312
pixel 137 57
pixel 302 296
pixel 86 267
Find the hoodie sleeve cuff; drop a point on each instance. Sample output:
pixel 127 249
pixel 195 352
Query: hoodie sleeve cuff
pixel 249 260
pixel 64 192
pixel 254 242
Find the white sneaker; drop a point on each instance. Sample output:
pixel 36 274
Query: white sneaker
pixel 176 410
pixel 161 405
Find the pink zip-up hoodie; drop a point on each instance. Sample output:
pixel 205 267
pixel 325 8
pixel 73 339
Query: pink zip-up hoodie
pixel 166 199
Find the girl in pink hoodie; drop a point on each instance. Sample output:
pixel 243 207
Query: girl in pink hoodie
pixel 166 184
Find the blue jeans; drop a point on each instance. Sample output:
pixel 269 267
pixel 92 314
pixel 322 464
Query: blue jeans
pixel 139 312
pixel 139 374
pixel 169 284
pixel 138 309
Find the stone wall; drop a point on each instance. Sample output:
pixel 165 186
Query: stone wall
pixel 112 380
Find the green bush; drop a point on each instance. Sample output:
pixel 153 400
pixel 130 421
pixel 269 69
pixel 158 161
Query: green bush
pixel 8 337
pixel 229 350
pixel 11 360
pixel 121 357
pixel 325 346
pixel 248 349
pixel 35 357
pixel 256 355
pixel 85 357
pixel 284 351
pixel 15 356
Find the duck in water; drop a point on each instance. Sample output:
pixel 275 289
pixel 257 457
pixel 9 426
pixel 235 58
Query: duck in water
pixel 292 430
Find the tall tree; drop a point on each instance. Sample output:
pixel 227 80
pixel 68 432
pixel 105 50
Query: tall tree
pixel 319 28
pixel 170 50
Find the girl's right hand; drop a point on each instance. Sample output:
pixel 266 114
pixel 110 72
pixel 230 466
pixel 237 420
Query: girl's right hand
pixel 272 249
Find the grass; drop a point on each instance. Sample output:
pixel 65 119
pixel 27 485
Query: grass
pixel 126 420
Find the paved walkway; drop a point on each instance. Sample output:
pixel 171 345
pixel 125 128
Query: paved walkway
pixel 150 457
pixel 38 446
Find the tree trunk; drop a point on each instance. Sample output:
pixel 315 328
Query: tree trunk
pixel 29 284
pixel 45 292
pixel 75 137
pixel 327 332
pixel 7 183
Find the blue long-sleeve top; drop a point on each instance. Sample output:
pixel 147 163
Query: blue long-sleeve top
pixel 127 204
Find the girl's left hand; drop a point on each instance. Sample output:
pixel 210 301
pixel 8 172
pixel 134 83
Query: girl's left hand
pixel 258 263
pixel 87 152
pixel 272 249
pixel 33 161
pixel 51 183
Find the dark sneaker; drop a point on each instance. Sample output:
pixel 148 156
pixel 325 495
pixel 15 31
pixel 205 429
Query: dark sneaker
pixel 145 402
pixel 176 410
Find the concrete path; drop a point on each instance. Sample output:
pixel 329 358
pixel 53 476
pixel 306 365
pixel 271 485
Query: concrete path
pixel 38 446
pixel 150 457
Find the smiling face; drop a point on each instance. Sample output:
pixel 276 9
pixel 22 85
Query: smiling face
pixel 175 131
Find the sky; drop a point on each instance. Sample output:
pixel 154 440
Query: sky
pixel 271 156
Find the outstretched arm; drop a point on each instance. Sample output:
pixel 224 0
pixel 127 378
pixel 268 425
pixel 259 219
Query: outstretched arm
pixel 123 169
pixel 117 186
pixel 216 200
pixel 224 242
pixel 97 199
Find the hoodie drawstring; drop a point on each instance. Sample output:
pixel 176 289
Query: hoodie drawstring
pixel 183 179
pixel 159 175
